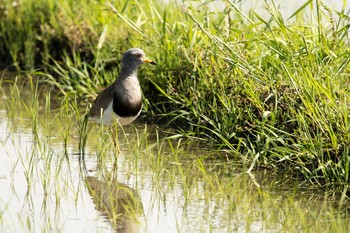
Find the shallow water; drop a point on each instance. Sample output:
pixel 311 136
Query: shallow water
pixel 154 185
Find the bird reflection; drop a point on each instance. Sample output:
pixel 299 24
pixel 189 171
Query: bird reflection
pixel 120 204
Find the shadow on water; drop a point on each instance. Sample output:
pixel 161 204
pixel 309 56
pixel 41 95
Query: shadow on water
pixel 119 203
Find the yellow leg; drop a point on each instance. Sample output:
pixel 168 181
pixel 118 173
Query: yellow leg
pixel 114 133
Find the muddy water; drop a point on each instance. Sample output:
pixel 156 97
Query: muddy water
pixel 153 185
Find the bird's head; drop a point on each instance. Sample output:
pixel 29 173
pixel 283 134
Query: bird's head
pixel 135 57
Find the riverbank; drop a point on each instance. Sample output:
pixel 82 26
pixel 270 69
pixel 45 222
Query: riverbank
pixel 157 184
pixel 272 92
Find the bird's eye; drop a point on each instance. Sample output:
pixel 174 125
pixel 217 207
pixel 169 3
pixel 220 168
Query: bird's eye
pixel 138 55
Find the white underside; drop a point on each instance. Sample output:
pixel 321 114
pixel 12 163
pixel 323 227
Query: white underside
pixel 109 117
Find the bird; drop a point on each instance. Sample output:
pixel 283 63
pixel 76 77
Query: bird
pixel 122 100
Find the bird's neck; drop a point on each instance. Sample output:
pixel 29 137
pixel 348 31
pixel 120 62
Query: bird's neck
pixel 128 83
pixel 127 71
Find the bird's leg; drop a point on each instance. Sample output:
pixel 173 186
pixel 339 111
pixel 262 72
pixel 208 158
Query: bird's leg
pixel 114 134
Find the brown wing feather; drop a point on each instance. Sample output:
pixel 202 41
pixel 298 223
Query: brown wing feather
pixel 102 101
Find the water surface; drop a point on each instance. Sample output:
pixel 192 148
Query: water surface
pixel 154 185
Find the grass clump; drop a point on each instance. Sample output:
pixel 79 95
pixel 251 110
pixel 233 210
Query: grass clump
pixel 273 91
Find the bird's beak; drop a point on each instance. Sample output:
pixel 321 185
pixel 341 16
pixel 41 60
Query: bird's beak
pixel 147 60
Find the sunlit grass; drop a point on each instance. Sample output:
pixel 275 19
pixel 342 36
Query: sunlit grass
pixel 181 183
pixel 271 91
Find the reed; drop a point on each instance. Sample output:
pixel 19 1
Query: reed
pixel 175 178
pixel 269 90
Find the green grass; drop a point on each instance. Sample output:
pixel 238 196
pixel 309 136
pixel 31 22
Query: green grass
pixel 176 180
pixel 273 92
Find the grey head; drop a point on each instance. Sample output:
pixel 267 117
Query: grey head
pixel 135 57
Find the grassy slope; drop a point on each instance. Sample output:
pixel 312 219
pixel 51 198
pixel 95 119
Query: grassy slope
pixel 272 91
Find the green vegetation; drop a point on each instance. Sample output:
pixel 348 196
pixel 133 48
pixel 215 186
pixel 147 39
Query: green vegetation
pixel 160 178
pixel 273 92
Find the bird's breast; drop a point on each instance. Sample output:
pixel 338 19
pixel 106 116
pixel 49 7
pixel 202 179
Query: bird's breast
pixel 127 99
